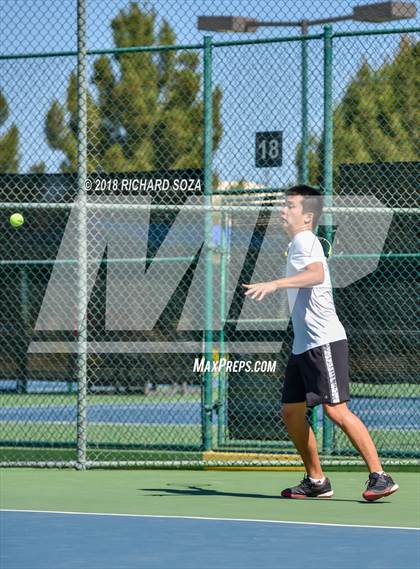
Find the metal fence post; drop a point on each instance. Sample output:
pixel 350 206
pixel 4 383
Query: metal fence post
pixel 304 162
pixel 82 234
pixel 304 165
pixel 327 167
pixel 22 381
pixel 221 409
pixel 207 410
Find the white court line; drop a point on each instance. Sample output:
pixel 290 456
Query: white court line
pixel 205 518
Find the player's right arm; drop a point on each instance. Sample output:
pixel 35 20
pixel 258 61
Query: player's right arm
pixel 311 275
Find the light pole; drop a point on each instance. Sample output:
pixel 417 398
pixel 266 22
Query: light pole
pixel 375 13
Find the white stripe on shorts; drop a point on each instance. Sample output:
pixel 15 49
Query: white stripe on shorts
pixel 335 396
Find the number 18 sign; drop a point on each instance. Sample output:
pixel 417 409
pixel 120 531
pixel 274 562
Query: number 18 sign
pixel 268 149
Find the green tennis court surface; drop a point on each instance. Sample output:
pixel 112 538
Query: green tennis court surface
pixel 208 494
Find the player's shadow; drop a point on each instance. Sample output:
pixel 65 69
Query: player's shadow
pixel 207 491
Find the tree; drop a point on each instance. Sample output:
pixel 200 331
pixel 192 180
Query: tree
pixel 9 141
pixel 147 111
pixel 378 116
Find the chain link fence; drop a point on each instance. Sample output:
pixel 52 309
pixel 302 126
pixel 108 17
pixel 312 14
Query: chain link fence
pixel 125 335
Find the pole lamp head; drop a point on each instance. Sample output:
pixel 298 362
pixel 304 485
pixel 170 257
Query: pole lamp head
pixel 384 12
pixel 235 24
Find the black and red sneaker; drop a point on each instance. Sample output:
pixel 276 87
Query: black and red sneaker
pixel 378 486
pixel 309 489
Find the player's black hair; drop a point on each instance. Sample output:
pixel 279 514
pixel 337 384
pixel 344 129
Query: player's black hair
pixel 312 200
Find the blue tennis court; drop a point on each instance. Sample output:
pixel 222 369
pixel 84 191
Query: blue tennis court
pixel 389 413
pixel 158 413
pixel 48 540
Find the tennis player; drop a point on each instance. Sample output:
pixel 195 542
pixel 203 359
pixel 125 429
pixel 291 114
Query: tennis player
pixel 317 370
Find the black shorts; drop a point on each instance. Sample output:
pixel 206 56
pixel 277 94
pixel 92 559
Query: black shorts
pixel 320 375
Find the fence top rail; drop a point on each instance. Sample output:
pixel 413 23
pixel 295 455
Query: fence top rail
pixel 231 43
pixel 376 32
pixel 109 51
pixel 301 37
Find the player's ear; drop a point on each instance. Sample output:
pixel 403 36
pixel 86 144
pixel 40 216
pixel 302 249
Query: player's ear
pixel 308 218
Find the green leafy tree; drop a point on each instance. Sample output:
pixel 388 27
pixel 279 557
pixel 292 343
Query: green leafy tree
pixel 9 141
pixel 147 109
pixel 378 118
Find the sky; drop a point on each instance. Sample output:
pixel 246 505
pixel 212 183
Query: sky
pixel 260 84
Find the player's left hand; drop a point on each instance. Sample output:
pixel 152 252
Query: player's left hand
pixel 259 290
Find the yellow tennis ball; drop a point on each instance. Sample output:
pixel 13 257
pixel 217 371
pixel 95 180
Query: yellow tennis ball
pixel 16 220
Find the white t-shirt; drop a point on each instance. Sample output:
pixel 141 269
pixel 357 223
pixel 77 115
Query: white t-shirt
pixel 315 321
